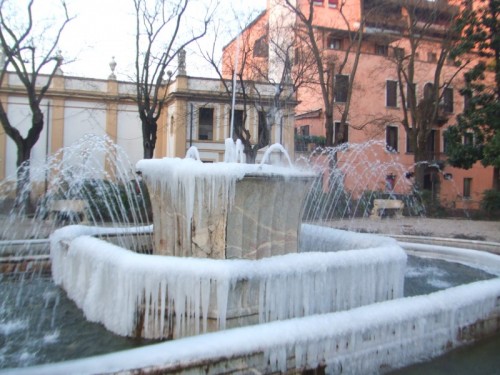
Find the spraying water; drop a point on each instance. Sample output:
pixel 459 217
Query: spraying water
pixel 350 178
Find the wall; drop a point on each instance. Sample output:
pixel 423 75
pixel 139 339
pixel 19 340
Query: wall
pixel 74 107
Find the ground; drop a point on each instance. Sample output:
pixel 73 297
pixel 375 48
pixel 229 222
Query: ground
pixel 453 228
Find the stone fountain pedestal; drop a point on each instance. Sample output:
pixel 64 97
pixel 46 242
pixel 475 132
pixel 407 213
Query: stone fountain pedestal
pixel 227 211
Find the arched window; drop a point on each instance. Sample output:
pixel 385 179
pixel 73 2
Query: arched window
pixel 428 91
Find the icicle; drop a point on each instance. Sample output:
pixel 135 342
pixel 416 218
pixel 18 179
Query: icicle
pixel 222 298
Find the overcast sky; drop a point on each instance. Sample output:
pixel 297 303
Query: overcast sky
pixel 105 28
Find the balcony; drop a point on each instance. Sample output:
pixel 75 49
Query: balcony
pixel 385 18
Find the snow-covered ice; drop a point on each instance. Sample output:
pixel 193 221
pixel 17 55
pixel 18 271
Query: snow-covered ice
pixel 111 284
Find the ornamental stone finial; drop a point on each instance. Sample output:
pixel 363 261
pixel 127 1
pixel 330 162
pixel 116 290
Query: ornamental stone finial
pixel 112 66
pixel 59 59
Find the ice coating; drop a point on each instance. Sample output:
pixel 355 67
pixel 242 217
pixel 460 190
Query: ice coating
pixel 183 177
pixel 234 151
pixel 111 284
pixel 273 148
pixel 193 153
pixel 391 334
pixel 192 202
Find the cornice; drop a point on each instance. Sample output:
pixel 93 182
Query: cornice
pixel 70 94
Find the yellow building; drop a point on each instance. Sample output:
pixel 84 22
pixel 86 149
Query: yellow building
pixel 196 112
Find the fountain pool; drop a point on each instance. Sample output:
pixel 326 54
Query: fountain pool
pixel 93 339
pixel 363 325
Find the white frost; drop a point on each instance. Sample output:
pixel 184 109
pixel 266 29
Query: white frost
pixel 117 287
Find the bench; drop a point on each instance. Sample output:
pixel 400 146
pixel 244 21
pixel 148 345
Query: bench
pixel 68 211
pixel 383 207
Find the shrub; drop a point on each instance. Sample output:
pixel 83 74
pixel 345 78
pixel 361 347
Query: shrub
pixel 491 203
pixel 109 201
pixel 321 205
pixel 431 205
pixel 301 141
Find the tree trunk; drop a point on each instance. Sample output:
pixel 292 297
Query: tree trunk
pixel 251 155
pixel 420 161
pixel 149 128
pixel 329 129
pixel 24 147
pixel 23 187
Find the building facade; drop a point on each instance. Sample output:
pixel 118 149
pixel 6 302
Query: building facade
pixel 369 45
pixel 196 112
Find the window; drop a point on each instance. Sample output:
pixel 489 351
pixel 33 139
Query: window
pixel 409 146
pixel 391 138
pixel 206 124
pixel 344 138
pixel 334 43
pixel 333 3
pixel 381 49
pixel 430 146
pixel 263 133
pixel 399 53
pixel 238 120
pixel 431 57
pixel 448 100
pixel 304 130
pixel 260 48
pixel 341 88
pixel 467 187
pixel 318 2
pixel 391 97
pixel 428 91
pixel 297 56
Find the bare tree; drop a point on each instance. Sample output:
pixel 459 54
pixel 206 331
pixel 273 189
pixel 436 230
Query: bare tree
pixel 264 54
pixel 31 57
pixel 424 24
pixel 244 66
pixel 161 36
pixel 329 64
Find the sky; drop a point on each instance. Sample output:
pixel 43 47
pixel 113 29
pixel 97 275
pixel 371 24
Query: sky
pixel 103 29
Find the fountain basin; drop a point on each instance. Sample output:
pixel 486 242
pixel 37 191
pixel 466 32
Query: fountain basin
pixel 170 297
pixel 239 348
pixel 368 339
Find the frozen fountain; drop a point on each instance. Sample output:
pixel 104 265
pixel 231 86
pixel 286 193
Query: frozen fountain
pixel 226 244
pixel 230 251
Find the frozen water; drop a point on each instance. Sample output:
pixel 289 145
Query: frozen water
pixel 234 151
pixel 359 341
pixel 110 283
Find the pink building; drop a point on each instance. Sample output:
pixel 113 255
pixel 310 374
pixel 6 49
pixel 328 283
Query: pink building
pixel 381 61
